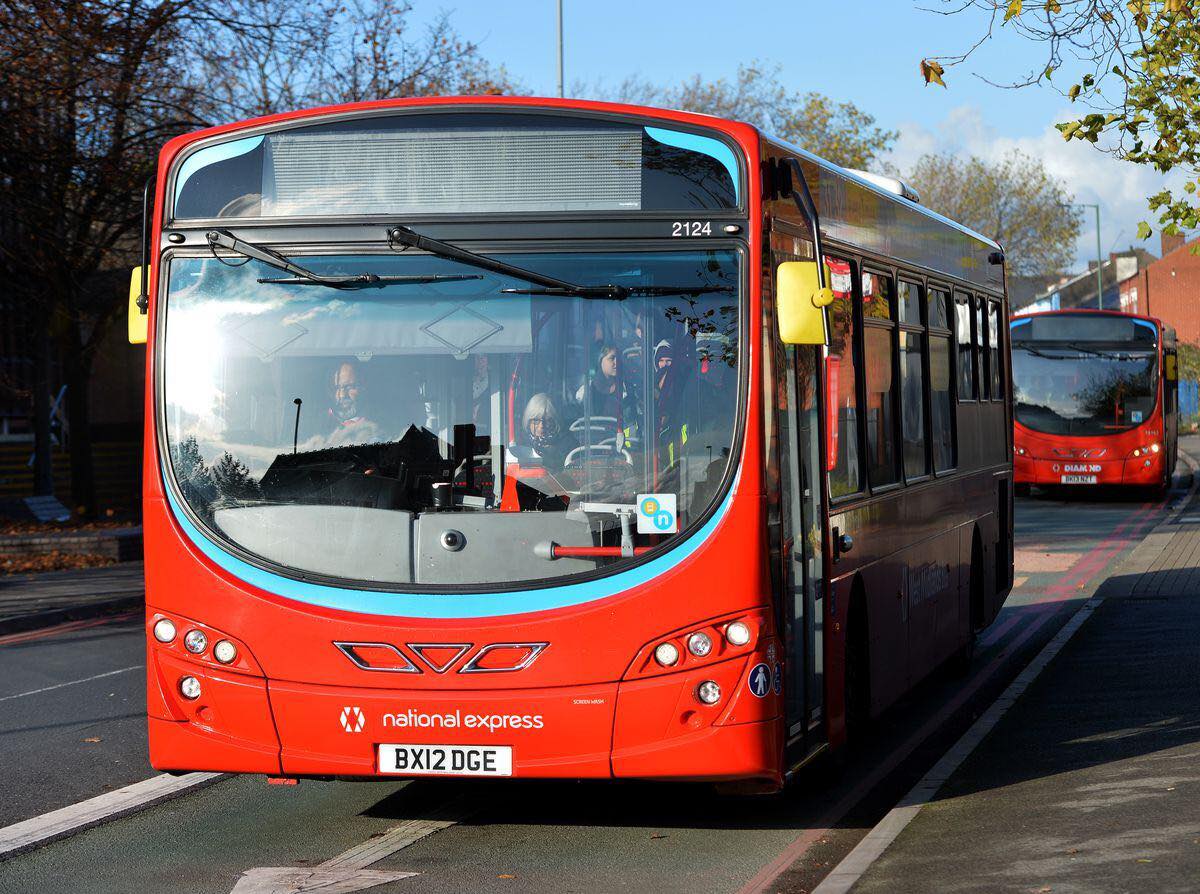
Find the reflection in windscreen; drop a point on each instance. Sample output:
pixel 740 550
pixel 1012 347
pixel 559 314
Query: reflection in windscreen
pixel 448 433
pixel 1065 391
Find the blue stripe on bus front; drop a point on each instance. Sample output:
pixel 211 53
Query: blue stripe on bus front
pixel 704 145
pixel 447 605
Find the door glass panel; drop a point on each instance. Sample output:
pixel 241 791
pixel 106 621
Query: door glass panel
pixel 912 400
pixel 845 476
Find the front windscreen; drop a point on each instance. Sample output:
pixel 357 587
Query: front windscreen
pixel 1083 390
pixel 449 432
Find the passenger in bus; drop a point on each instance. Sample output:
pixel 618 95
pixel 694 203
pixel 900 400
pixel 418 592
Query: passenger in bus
pixel 609 397
pixel 543 433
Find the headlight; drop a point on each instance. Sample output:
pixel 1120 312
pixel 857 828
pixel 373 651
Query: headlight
pixel 189 687
pixel 195 642
pixel 708 692
pixel 699 644
pixel 666 654
pixel 225 652
pixel 164 630
pixel 737 633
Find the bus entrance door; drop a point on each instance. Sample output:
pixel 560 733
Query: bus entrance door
pixel 805 528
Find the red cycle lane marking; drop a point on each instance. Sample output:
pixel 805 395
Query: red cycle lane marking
pixel 1084 571
pixel 67 627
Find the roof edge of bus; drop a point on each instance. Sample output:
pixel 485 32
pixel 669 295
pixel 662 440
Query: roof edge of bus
pixel 729 126
pixel 878 190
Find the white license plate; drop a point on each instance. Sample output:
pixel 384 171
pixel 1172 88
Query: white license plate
pixel 1078 479
pixel 446 760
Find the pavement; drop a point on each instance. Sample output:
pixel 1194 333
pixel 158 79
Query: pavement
pixel 1091 781
pixel 32 601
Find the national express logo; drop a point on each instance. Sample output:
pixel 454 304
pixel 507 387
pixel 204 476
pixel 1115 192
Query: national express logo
pixel 411 719
pixel 353 720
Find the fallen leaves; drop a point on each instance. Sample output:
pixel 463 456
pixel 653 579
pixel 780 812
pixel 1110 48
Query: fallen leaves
pixel 35 563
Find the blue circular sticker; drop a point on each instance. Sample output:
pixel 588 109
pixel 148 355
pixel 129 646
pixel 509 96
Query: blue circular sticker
pixel 759 680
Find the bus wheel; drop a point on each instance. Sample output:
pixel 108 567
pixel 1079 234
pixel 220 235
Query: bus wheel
pixel 857 669
pixel 960 661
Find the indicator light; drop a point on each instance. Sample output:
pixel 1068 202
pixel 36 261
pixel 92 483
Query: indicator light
pixel 189 688
pixel 1021 451
pixel 699 644
pixel 225 652
pixel 1154 448
pixel 708 692
pixel 666 654
pixel 195 642
pixel 164 630
pixel 737 633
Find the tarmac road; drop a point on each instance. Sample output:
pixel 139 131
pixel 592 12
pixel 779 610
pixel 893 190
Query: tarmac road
pixel 60 689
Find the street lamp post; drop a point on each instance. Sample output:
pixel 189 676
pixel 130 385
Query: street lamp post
pixel 560 50
pixel 1099 252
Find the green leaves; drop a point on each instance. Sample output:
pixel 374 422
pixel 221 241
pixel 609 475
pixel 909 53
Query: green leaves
pixel 1143 230
pixel 1014 9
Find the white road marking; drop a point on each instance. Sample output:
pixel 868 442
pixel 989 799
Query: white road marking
pixel 122 670
pixel 347 872
pixel 48 827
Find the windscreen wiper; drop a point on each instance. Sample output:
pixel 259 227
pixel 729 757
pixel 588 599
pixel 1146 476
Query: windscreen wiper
pixel 304 277
pixel 619 292
pixel 549 284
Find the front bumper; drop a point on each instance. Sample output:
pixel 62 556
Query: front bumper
pixel 1139 471
pixel 650 728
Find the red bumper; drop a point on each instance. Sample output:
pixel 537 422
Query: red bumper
pixel 1140 471
pixel 644 728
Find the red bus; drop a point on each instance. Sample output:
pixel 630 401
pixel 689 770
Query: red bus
pixel 1096 399
pixel 474 446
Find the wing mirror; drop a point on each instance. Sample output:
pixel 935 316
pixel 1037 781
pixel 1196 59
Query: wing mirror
pixel 800 303
pixel 137 313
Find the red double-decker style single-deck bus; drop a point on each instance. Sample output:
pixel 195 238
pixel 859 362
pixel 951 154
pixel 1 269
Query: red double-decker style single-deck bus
pixel 1095 396
pixel 514 437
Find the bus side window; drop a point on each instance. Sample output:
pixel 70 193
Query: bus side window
pixel 964 342
pixel 941 372
pixel 841 380
pixel 879 350
pixel 981 355
pixel 912 380
pixel 997 368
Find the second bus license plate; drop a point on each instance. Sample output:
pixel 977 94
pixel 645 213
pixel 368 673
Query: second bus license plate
pixel 1078 479
pixel 446 760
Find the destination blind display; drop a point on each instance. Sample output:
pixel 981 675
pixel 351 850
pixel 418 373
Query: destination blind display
pixel 478 163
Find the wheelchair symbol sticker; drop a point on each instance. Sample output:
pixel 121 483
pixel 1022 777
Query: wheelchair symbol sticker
pixel 759 680
pixel 656 514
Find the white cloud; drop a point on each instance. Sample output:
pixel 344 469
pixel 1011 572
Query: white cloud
pixel 1120 188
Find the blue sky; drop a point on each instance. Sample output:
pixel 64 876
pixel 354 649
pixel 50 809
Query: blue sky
pixel 865 51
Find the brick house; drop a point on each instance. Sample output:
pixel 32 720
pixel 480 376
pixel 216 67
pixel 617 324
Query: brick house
pixel 1169 289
